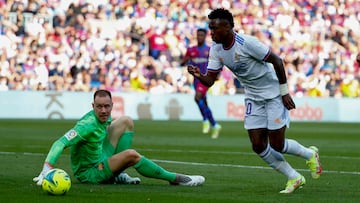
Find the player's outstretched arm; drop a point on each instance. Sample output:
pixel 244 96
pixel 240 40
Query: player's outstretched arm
pixel 52 157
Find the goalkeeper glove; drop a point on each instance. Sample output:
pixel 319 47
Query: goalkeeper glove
pixel 47 167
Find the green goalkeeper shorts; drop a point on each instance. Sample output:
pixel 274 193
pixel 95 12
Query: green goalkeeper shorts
pixel 100 172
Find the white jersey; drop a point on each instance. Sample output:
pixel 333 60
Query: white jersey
pixel 246 60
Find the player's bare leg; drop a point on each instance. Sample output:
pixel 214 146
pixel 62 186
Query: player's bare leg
pixel 118 127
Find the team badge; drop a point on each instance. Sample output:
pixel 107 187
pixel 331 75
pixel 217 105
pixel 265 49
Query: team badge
pixel 101 166
pixel 237 57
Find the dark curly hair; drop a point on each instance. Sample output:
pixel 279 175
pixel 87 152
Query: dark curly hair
pixel 202 30
pixel 221 13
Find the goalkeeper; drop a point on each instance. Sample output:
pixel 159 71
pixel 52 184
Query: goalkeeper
pixel 100 150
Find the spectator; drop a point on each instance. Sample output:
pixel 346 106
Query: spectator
pixel 157 42
pixel 311 36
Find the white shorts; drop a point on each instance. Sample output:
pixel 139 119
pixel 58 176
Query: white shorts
pixel 270 114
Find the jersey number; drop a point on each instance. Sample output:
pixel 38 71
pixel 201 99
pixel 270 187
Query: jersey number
pixel 248 108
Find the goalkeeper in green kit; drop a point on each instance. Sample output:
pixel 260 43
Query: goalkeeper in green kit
pixel 100 150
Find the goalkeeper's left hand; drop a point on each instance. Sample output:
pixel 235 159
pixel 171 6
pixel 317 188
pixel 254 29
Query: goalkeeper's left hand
pixel 47 167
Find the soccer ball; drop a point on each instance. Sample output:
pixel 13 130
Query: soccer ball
pixel 56 182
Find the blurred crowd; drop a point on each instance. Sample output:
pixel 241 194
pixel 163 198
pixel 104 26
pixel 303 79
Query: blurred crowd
pixel 137 45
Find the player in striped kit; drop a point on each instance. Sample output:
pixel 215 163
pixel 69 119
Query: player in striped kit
pixel 198 56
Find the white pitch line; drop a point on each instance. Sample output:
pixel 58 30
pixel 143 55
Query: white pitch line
pixel 197 164
pixel 227 152
pixel 206 152
pixel 243 166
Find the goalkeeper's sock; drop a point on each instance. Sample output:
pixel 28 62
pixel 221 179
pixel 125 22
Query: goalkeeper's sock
pixel 125 141
pixel 294 148
pixel 150 169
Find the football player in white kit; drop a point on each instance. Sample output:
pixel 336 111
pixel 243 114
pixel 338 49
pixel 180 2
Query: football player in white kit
pixel 267 100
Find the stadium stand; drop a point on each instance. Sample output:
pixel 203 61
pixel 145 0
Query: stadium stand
pixel 136 46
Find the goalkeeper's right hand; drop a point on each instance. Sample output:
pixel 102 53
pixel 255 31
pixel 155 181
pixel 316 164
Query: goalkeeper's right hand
pixel 47 167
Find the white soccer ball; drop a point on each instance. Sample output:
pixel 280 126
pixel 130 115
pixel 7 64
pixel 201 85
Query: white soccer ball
pixel 56 182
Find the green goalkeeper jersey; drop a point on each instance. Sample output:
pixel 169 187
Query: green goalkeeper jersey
pixel 86 141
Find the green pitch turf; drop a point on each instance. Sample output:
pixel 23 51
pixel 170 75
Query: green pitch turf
pixel 233 172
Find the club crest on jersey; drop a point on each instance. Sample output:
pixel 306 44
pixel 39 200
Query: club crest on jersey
pixel 101 166
pixel 71 134
pixel 237 57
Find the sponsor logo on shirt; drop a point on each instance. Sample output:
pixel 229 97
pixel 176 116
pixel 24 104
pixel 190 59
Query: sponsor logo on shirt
pixel 199 60
pixel 70 135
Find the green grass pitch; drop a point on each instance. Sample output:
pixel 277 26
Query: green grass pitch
pixel 233 172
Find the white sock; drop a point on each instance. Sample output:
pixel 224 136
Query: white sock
pixel 277 161
pixel 294 148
